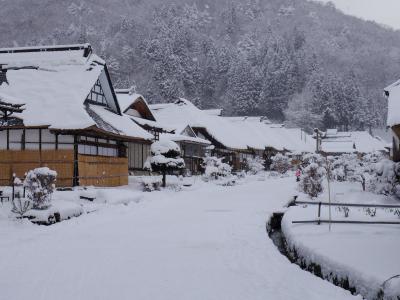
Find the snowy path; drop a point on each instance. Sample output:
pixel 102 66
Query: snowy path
pixel 209 243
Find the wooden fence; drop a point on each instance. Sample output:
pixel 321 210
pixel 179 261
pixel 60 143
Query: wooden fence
pixel 102 171
pixel 20 162
pixel 92 170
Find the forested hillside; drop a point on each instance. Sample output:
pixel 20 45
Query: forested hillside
pixel 291 60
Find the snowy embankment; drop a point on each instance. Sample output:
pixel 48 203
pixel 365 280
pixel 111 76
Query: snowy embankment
pixel 204 242
pixel 364 257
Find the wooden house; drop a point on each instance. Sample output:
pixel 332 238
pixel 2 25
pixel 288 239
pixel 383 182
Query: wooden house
pixel 58 109
pixel 224 136
pixel 136 107
pixel 392 92
pixel 334 142
pixel 193 148
pixel 236 139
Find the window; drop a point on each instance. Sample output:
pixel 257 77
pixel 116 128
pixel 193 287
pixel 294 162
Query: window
pixel 32 139
pixel 16 136
pixel 3 139
pixel 137 155
pixel 65 142
pixel 48 140
pixel 96 95
pixel 93 146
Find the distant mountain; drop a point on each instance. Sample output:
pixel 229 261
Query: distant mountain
pixel 297 60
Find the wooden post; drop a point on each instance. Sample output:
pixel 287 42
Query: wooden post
pixel 319 213
pixel 13 187
pixel 76 171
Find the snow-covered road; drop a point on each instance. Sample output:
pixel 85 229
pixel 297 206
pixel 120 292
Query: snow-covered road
pixel 206 243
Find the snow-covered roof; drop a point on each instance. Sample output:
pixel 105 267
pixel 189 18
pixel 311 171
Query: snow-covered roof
pixel 239 133
pixel 261 119
pixel 54 82
pixel 351 142
pixel 213 112
pixel 184 112
pixel 261 135
pixel 184 138
pixel 121 125
pixel 125 99
pixel 393 94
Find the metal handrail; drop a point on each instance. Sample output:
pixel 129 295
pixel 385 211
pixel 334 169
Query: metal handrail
pixel 347 222
pixel 348 204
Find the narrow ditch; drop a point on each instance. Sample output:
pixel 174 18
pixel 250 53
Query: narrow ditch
pixel 275 233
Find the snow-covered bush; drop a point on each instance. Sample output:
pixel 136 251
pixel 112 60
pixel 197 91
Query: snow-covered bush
pixel 151 183
pixel 20 206
pixel 40 185
pixel 311 180
pixel 255 165
pixel 165 156
pixel 373 157
pixel 385 178
pixel 214 168
pixel 347 167
pixel 281 163
pixel 310 158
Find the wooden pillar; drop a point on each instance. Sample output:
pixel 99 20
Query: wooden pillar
pixel 75 181
pixel 8 139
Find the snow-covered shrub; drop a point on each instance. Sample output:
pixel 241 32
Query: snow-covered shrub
pixel 165 156
pixel 346 167
pixel 151 183
pixel 40 185
pixel 214 168
pixel 255 165
pixel 344 209
pixel 373 157
pixel 311 180
pixel 369 211
pixel 281 163
pixel 310 158
pixel 385 178
pixel 21 205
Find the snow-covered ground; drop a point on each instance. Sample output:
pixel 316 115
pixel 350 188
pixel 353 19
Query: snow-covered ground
pixel 203 242
pixel 367 254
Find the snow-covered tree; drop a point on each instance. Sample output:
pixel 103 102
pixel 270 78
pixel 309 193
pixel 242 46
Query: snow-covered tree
pixel 311 180
pixel 40 185
pixel 165 157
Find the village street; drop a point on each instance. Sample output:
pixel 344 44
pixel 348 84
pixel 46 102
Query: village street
pixel 206 242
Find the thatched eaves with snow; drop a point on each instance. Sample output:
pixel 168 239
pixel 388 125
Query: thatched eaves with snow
pixel 63 88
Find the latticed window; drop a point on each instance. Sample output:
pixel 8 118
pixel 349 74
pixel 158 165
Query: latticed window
pixel 96 95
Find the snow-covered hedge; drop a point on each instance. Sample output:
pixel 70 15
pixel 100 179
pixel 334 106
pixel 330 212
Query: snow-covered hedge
pixel 40 185
pixel 281 163
pixel 311 180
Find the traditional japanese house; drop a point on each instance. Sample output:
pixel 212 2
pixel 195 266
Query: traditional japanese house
pixel 193 148
pixel 58 109
pixel 228 141
pixel 392 92
pixel 136 107
pixel 334 142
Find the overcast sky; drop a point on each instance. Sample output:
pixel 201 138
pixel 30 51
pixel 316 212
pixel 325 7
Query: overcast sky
pixel 382 11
